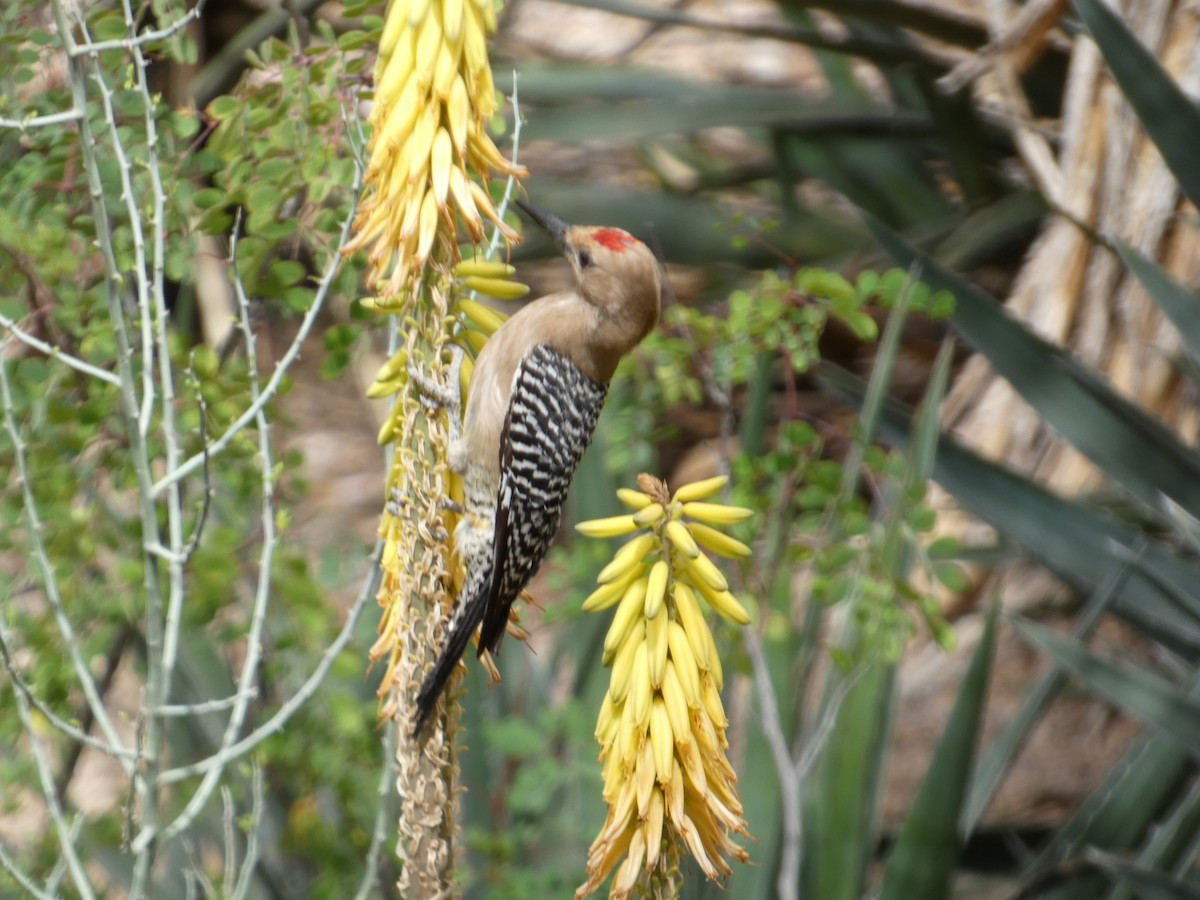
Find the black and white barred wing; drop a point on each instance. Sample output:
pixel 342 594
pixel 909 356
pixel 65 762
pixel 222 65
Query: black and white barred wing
pixel 552 413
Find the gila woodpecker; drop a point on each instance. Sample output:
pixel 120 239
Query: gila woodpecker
pixel 536 393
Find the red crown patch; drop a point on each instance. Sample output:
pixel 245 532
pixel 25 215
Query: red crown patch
pixel 615 239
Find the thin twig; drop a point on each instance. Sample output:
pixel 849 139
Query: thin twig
pixel 383 813
pixel 206 499
pixel 203 708
pixel 275 724
pixel 72 731
pixel 250 860
pixel 112 662
pixel 59 872
pixel 262 594
pixel 9 865
pixel 59 118
pixel 50 578
pixel 55 353
pixel 285 362
pixel 789 779
pixel 140 40
pixel 41 762
pixel 511 184
pixel 230 836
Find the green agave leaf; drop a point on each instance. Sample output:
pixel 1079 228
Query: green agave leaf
pixel 1115 817
pixel 595 102
pixel 1004 749
pixel 688 229
pixel 1142 694
pixel 1171 846
pixel 927 849
pixel 1133 448
pixel 842 789
pixel 1066 536
pixel 1177 303
pixel 1168 115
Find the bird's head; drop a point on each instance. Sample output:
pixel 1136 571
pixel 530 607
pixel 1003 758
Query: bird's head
pixel 614 271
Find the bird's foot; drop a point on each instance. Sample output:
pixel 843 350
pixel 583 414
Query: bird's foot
pixel 434 396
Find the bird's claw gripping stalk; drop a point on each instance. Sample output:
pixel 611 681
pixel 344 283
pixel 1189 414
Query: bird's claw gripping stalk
pixel 434 396
pixel 397 504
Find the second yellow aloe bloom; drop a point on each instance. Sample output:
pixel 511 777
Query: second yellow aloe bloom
pixel 667 782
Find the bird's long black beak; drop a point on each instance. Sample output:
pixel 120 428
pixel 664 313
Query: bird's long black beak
pixel 552 225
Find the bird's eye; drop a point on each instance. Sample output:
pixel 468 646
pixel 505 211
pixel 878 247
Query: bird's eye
pixel 585 258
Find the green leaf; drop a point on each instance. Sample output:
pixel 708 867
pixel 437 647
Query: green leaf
pixel 927 848
pixel 1142 694
pixel 1066 536
pixel 1133 448
pixel 841 793
pixel 225 107
pixel 1177 303
pixel 1169 116
pixel 1146 883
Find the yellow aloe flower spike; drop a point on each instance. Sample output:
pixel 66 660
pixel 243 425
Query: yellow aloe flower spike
pixel 429 162
pixel 669 787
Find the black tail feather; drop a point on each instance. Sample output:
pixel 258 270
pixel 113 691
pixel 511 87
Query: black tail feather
pixel 463 628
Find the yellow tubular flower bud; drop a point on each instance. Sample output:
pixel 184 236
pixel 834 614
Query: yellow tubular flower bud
pixel 614 526
pixel 656 646
pixel 652 828
pixel 701 490
pixel 723 603
pixel 676 703
pixel 716 513
pixel 395 24
pixel 663 739
pixel 633 499
pixel 622 670
pixel 711 699
pixel 458 113
pixel 473 339
pixel 488 320
pixel 608 594
pixel 715 670
pixel 656 589
pixel 685 664
pixel 626 558
pixel 626 743
pixel 644 776
pixel 400 120
pixel 393 75
pixel 466 204
pixel 628 613
pixel 428 226
pixel 702 568
pixel 682 539
pixel 429 41
pixel 500 288
pixel 693 765
pixel 445 70
pixel 691 619
pixel 640 690
pixel 650 514
pixel 717 541
pixel 441 161
pixel 396 365
pixel 386 388
pixel 605 720
pixel 464 375
pixel 484 268
pixel 673 796
pixel 417 9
